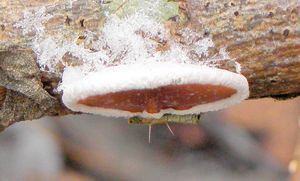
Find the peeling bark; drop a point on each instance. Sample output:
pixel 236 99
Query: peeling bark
pixel 264 37
pixel 22 95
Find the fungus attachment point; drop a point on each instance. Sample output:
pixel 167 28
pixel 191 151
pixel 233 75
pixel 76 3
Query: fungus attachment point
pixel 154 89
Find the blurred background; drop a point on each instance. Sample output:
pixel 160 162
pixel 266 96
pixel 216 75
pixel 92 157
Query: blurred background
pixel 256 140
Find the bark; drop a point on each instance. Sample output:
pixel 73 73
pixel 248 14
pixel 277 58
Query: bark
pixel 264 37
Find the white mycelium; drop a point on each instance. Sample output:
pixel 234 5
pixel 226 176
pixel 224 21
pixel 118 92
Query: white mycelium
pixel 126 54
pixel 149 76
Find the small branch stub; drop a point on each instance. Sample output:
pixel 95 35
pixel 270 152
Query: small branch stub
pixel 167 118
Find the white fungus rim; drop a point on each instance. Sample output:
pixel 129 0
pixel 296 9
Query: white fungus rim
pixel 148 76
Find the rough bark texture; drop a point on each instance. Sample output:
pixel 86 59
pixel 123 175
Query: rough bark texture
pixel 263 36
pixel 22 95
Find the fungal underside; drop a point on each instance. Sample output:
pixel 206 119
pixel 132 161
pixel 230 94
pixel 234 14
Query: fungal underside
pixel 155 89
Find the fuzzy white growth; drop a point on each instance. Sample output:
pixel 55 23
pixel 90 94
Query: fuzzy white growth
pixel 49 53
pixel 148 76
pixel 131 39
pixel 33 21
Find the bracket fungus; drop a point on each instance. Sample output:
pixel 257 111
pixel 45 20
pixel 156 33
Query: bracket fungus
pixel 153 89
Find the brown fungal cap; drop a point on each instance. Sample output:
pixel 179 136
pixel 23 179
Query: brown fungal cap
pixel 177 97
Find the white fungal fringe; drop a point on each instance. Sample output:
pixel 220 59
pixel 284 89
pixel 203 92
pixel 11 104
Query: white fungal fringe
pixel 148 76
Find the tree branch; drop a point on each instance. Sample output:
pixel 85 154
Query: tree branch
pixel 264 37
